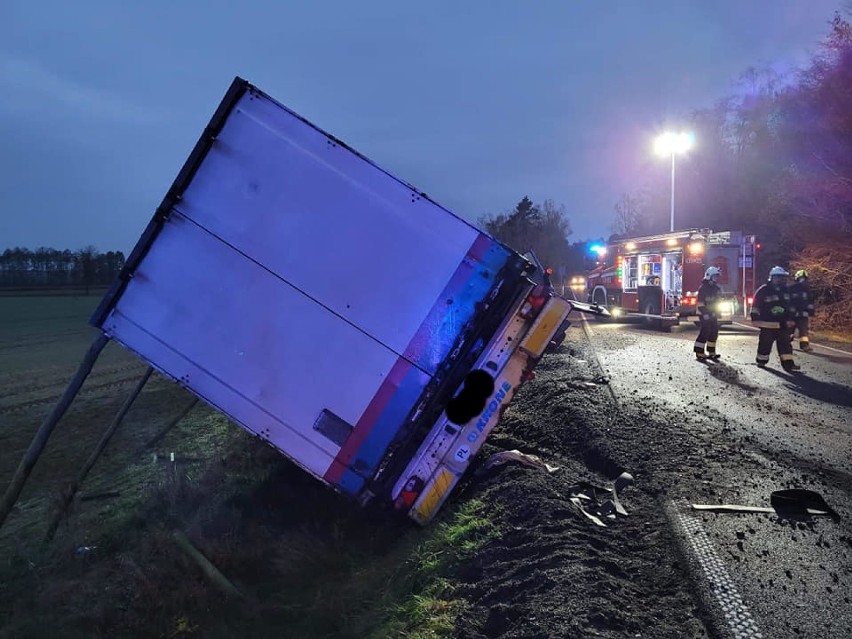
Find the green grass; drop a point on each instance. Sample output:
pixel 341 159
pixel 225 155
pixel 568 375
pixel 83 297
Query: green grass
pixel 43 333
pixel 430 608
pixel 310 562
pixel 313 569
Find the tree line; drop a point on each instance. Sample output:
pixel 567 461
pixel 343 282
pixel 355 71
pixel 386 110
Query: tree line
pixel 773 159
pixel 52 268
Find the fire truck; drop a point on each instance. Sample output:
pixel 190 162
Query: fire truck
pixel 658 276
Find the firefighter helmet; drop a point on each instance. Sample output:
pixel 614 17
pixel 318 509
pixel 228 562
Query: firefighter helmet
pixel 711 271
pixel 777 270
pixel 801 273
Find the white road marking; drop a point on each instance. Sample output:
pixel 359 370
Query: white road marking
pixel 737 615
pixel 815 345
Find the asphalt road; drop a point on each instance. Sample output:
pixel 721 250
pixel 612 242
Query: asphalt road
pixel 764 575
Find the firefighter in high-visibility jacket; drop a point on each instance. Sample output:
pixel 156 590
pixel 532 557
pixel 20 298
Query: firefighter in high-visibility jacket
pixel 800 294
pixel 709 295
pixel 774 314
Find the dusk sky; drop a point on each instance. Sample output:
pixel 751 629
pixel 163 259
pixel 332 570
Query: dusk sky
pixel 476 103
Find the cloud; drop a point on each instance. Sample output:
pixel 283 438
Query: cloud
pixel 26 84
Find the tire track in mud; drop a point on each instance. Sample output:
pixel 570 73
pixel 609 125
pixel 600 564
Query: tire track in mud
pixel 47 318
pixel 552 572
pixel 41 338
pixel 715 593
pixel 736 436
pixel 87 390
pixel 63 379
pixel 26 345
pixel 721 587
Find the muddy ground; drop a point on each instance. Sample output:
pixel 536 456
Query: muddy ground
pixel 556 573
pixel 553 573
pixel 314 565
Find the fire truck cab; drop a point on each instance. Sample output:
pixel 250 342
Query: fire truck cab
pixel 659 275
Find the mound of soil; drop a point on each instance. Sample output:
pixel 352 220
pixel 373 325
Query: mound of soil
pixel 555 572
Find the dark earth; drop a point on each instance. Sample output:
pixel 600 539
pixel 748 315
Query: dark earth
pixel 610 400
pixel 555 573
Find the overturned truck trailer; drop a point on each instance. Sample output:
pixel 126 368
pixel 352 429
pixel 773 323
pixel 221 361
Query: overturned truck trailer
pixel 336 312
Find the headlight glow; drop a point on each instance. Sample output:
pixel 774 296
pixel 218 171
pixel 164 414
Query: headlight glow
pixel 725 308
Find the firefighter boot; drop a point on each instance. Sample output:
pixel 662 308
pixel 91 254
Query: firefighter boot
pixel 805 345
pixel 711 351
pixel 790 366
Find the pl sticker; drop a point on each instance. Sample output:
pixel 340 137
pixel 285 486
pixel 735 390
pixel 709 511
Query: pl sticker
pixel 462 453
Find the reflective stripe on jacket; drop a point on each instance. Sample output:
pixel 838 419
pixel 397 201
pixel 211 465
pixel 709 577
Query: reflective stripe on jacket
pixel 800 295
pixel 708 296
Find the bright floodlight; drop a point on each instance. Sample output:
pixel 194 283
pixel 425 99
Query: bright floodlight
pixel 670 143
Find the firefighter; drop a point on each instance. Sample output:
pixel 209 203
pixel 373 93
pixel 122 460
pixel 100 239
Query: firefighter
pixel 709 295
pixel 800 294
pixel 774 314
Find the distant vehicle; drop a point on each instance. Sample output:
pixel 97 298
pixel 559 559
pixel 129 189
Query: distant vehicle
pixel 576 287
pixel 659 275
pixel 334 311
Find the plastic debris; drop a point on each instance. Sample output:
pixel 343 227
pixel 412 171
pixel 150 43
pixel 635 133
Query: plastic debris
pixel 498 459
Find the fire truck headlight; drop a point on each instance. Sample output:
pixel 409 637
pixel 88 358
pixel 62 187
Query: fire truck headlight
pixel 725 308
pixel 615 312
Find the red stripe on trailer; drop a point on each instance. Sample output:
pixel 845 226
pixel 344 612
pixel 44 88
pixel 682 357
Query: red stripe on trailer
pixel 367 420
pixel 479 246
pixel 423 337
pixel 415 348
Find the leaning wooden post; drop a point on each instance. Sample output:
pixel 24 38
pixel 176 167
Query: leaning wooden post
pixel 210 571
pixel 172 423
pixel 68 497
pixel 43 434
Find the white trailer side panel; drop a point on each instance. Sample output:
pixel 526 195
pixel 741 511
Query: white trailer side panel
pixel 325 220
pixel 303 290
pixel 277 359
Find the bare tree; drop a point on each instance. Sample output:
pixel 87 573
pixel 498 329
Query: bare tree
pixel 628 215
pixel 829 267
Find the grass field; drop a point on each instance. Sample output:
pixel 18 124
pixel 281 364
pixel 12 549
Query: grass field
pixel 307 562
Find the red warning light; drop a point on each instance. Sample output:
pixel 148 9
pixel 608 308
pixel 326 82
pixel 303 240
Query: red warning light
pixel 757 246
pixel 549 271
